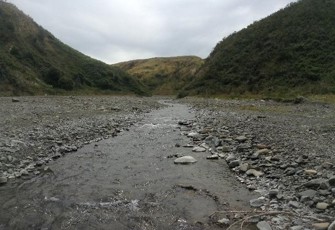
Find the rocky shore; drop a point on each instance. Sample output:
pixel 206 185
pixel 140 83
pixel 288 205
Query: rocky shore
pixel 36 130
pixel 283 151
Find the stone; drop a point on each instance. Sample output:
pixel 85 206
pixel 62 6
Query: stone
pixel 213 157
pixel 234 163
pixel 225 148
pixel 254 172
pixel 230 158
pixel 194 135
pixel 3 180
pixel 307 193
pixel 332 226
pixel 262 152
pixel 263 225
pixel 297 228
pixel 257 203
pixel 212 141
pixel 261 146
pixel 198 149
pixel 185 160
pixel 331 182
pixel 320 226
pixel 204 145
pixel 241 138
pixel 24 172
pixel 317 184
pixel 310 172
pixel 294 204
pixel 244 167
pixel 224 221
pixel 322 205
pixel 273 193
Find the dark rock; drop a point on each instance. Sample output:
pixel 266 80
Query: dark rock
pixel 3 180
pixel 234 163
pixel 317 184
pixel 331 182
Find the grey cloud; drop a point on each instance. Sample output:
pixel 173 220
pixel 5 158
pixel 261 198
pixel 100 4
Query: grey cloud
pixel 120 30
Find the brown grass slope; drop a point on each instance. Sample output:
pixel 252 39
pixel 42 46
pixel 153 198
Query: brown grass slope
pixel 163 75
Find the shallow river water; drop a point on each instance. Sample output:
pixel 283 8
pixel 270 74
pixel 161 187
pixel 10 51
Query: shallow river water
pixel 127 182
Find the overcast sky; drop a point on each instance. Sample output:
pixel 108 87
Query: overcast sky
pixel 122 30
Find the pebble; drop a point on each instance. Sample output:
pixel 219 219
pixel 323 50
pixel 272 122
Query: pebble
pixel 310 172
pixel 185 160
pixel 254 172
pixel 262 152
pixel 317 183
pixel 307 193
pixel 241 138
pixel 224 221
pixel 296 228
pixel 257 203
pixel 332 226
pixel 263 225
pixel 234 164
pixel 244 167
pixel 331 182
pixel 3 180
pixel 321 226
pixel 294 204
pixel 322 205
pixel 198 149
pixel 273 193
pixel 213 157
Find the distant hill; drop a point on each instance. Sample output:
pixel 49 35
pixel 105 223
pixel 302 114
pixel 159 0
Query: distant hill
pixel 33 61
pixel 288 53
pixel 164 76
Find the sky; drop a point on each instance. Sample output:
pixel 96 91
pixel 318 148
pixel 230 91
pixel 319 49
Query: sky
pixel 122 30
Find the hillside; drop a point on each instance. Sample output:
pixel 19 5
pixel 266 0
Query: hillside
pixel 288 53
pixel 163 76
pixel 33 61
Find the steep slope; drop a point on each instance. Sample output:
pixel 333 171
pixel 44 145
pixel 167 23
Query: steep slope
pixel 163 75
pixel 290 52
pixel 33 61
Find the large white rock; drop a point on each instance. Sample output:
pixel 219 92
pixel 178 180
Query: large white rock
pixel 185 160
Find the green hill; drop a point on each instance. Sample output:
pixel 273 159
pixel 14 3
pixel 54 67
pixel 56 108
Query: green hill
pixel 163 76
pixel 33 61
pixel 288 53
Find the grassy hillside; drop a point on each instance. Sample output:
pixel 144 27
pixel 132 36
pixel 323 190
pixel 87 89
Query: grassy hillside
pixel 164 76
pixel 288 53
pixel 33 61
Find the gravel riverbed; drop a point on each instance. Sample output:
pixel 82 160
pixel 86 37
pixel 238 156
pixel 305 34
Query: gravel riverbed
pixel 36 130
pixel 283 152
